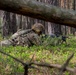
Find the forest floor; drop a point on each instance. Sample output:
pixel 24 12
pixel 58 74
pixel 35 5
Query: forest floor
pixel 50 54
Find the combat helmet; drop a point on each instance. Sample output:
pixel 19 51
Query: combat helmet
pixel 38 28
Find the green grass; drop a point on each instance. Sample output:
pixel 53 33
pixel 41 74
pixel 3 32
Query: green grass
pixel 50 54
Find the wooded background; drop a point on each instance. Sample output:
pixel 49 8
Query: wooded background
pixel 10 22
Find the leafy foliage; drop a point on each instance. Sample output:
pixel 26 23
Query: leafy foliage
pixel 51 54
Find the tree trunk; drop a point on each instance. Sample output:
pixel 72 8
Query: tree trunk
pixel 56 27
pixel 40 10
pixel 13 24
pixel 74 8
pixel 6 24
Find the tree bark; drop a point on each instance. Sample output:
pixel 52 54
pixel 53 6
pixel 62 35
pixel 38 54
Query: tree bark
pixel 40 10
pixel 6 24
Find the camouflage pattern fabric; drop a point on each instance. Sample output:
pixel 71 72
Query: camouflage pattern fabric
pixel 31 38
pixel 28 39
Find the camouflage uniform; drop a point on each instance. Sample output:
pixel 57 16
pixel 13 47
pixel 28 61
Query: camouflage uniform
pixel 31 38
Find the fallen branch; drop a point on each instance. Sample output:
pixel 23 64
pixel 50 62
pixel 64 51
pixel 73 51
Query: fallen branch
pixel 12 57
pixel 28 65
pixel 54 66
pixel 40 10
pixel 65 64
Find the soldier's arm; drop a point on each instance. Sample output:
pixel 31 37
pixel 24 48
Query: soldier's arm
pixel 37 40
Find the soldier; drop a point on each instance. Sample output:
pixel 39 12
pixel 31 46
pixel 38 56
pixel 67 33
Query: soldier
pixel 27 37
pixel 31 38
